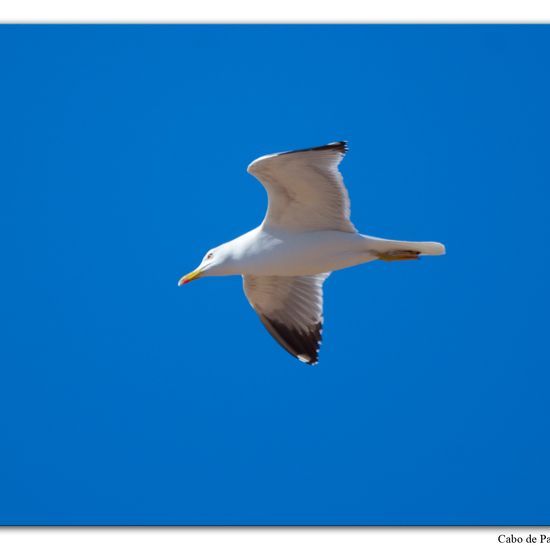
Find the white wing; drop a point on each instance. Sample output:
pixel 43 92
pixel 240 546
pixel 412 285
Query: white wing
pixel 291 308
pixel 305 190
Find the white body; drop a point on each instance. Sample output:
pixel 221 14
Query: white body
pixel 268 251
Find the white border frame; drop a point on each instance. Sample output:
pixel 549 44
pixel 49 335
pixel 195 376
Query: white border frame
pixel 275 11
pixel 268 538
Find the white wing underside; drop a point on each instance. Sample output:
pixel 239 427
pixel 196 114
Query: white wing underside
pixel 305 190
pixel 291 309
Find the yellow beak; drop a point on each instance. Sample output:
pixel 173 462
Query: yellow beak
pixel 190 277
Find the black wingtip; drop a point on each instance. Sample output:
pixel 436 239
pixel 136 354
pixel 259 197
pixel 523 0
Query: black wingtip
pixel 304 345
pixel 340 146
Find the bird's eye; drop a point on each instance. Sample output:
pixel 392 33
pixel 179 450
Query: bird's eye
pixel 209 256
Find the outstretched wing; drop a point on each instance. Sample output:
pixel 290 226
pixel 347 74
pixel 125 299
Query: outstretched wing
pixel 291 309
pixel 305 190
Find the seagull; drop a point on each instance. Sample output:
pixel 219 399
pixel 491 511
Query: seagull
pixel 305 235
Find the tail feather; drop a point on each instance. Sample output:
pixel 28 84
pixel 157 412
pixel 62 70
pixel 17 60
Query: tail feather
pixel 387 246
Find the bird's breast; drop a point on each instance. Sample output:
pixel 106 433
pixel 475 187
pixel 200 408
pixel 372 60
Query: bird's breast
pixel 301 254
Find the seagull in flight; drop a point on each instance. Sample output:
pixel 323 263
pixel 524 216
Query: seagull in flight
pixel 305 235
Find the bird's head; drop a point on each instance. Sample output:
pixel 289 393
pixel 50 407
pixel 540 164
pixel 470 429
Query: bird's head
pixel 215 262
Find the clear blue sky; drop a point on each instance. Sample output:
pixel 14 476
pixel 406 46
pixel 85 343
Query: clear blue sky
pixel 125 399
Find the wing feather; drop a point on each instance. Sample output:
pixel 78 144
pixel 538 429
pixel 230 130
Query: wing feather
pixel 305 189
pixel 291 309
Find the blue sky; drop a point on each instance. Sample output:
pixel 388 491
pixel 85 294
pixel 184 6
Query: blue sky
pixel 125 399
